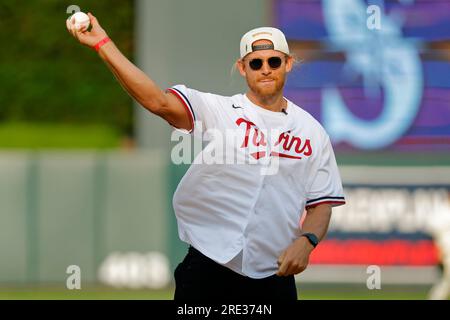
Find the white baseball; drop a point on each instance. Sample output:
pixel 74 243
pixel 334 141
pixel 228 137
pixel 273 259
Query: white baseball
pixel 81 20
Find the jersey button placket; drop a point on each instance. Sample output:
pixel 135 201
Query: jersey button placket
pixel 252 210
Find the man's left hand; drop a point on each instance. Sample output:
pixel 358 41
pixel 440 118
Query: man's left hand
pixel 295 258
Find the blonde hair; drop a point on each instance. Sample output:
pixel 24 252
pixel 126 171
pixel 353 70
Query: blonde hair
pixel 233 69
pixel 296 61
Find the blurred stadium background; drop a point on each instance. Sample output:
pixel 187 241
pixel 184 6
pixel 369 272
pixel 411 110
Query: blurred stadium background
pixel 86 177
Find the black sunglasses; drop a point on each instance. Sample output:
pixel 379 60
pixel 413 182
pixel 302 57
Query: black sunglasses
pixel 274 63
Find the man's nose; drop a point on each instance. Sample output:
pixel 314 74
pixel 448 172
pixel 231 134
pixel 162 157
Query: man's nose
pixel 265 69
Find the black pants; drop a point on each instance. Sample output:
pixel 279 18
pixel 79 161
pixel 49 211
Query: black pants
pixel 199 278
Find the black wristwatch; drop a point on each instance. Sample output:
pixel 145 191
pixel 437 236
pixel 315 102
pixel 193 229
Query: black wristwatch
pixel 312 238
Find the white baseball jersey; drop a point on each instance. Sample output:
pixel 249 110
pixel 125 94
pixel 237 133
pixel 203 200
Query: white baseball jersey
pixel 238 212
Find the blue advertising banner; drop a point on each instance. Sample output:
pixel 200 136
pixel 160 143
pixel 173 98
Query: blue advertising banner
pixel 374 73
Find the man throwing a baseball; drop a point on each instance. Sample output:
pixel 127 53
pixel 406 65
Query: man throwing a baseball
pixel 243 226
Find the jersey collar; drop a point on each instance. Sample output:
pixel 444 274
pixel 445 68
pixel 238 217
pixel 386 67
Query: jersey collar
pixel 254 117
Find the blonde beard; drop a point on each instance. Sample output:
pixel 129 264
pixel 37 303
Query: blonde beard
pixel 279 85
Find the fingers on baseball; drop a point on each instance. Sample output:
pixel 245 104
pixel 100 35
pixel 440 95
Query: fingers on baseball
pixel 93 19
pixel 83 29
pixel 79 33
pixel 70 26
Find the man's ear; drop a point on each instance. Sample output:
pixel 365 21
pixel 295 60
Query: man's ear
pixel 289 63
pixel 240 65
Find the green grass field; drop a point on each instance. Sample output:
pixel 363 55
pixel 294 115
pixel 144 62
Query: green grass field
pixel 306 292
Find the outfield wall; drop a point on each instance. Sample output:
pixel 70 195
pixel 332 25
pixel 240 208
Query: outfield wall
pixel 60 208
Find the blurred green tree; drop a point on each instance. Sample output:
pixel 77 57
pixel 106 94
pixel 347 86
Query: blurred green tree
pixel 46 76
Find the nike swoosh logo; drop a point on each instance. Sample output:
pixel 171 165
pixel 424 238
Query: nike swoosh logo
pixel 236 107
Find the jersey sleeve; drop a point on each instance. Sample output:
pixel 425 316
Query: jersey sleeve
pixel 199 107
pixel 325 185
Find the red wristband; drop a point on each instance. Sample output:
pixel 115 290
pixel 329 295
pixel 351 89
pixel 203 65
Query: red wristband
pixel 101 43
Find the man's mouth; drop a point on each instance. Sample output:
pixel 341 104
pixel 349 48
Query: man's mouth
pixel 266 80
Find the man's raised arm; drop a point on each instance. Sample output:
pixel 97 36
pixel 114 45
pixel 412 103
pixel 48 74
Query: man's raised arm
pixel 132 79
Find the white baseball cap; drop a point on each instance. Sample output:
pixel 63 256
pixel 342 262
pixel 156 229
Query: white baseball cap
pixel 267 33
